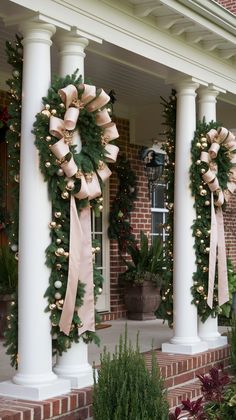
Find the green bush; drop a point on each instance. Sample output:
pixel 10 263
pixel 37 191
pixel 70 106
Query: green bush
pixel 125 389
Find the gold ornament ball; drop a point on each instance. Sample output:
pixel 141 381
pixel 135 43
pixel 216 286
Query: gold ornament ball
pixel 47 164
pixel 57 295
pixel 46 112
pixel 207 203
pixel 198 162
pixel 200 289
pixel 47 106
pixel 203 139
pixel 197 302
pixel 58 284
pixel 198 232
pixel 198 144
pixel 60 172
pixel 58 266
pixel 203 171
pixel 53 111
pixel 203 192
pixel 204 145
pixel 58 241
pixel 99 290
pixel 70 185
pixel 199 216
pixel 52 225
pixel 66 254
pixel 48 138
pixel 57 214
pixel 65 195
pixel 62 105
pixel 207 249
pixel 59 252
pixel 100 207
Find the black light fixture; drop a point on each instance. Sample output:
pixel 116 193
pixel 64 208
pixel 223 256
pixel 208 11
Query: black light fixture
pixel 154 159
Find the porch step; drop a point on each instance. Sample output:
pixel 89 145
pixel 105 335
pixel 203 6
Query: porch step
pixel 178 371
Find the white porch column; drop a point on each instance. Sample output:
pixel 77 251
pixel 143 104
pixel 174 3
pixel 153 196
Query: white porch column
pixel 34 379
pixel 208 330
pixel 185 339
pixel 73 364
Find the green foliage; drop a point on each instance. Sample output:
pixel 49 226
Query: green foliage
pixel 146 262
pixel 233 343
pixel 202 224
pixel 226 408
pixel 123 204
pixel 165 310
pixel 125 389
pixel 8 271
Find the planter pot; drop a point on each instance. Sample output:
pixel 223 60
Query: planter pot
pixel 142 301
pixel 5 301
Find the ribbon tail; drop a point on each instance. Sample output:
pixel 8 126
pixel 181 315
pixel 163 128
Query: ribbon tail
pixel 75 260
pixel 223 290
pixel 212 255
pixel 87 311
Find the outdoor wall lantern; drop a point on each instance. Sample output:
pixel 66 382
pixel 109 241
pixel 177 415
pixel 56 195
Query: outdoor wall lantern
pixel 154 160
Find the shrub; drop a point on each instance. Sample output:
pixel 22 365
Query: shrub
pixel 125 389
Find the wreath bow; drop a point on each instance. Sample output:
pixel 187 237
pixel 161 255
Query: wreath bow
pixel 217 238
pixel 80 247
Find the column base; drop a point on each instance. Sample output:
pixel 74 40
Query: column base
pixel 35 392
pixel 184 347
pixel 79 376
pixel 214 342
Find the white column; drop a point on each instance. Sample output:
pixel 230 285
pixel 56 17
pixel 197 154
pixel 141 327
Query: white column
pixel 73 364
pixel 208 330
pixel 34 379
pixel 185 339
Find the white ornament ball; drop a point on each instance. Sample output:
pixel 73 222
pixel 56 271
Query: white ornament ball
pixel 57 295
pixel 58 284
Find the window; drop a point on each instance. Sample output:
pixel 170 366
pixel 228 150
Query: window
pixel 158 210
pixel 99 228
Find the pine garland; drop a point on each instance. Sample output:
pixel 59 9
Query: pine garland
pixel 165 310
pixel 14 54
pixel 120 228
pixel 60 188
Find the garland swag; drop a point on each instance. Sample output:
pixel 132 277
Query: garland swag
pixel 89 160
pixel 120 228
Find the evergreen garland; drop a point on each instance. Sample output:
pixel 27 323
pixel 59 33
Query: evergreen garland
pixel 202 224
pixel 60 187
pixel 165 310
pixel 14 54
pixel 120 228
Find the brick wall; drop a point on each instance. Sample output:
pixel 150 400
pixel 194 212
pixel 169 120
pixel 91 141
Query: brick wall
pixel 228 4
pixel 140 218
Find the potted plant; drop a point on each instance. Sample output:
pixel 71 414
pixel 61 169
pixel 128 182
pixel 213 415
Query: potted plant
pixel 8 282
pixel 143 278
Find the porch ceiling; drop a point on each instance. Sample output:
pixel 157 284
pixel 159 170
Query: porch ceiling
pixel 136 80
pixel 180 20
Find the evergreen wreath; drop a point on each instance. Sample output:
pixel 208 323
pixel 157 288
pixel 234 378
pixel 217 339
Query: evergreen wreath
pixel 89 160
pixel 120 228
pixel 202 224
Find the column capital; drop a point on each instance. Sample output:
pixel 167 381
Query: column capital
pixel 186 86
pixel 37 32
pixel 71 43
pixel 207 93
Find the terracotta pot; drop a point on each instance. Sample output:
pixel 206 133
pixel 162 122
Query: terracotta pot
pixel 142 301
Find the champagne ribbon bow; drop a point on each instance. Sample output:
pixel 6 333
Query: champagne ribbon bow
pixel 80 247
pixel 217 238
